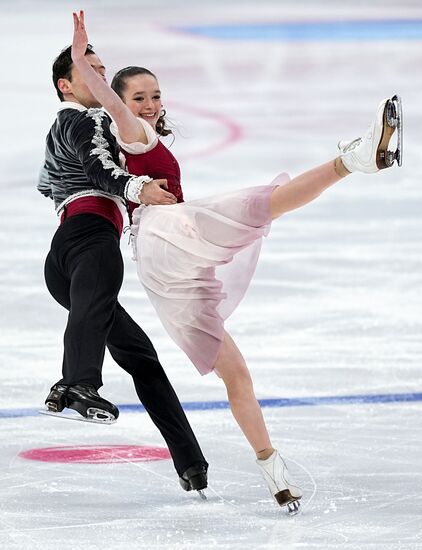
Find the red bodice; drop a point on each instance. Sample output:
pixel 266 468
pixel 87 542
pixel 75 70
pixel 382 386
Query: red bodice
pixel 158 163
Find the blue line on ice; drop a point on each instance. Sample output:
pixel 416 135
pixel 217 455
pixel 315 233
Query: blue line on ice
pixel 276 402
pixel 331 31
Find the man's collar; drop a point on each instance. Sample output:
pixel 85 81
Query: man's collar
pixel 71 105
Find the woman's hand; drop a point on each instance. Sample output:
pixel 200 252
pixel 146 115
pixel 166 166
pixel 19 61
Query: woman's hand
pixel 80 37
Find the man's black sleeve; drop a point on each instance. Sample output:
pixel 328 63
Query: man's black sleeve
pixel 96 149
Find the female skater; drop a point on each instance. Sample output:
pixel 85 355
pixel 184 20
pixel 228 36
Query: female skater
pixel 196 259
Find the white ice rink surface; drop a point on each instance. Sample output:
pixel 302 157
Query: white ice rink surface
pixel 334 310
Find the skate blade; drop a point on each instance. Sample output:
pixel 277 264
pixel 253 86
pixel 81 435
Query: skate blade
pixel 384 156
pixel 285 498
pixel 293 508
pixel 398 112
pixel 202 495
pixel 392 122
pixel 71 415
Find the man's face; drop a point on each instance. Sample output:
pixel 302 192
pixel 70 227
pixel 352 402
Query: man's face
pixel 76 90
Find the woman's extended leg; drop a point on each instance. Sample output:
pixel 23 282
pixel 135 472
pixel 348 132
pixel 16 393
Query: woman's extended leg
pixel 367 154
pixel 303 189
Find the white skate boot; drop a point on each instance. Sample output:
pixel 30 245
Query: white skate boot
pixel 279 482
pixel 370 153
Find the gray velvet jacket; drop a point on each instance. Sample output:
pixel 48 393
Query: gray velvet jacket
pixel 82 159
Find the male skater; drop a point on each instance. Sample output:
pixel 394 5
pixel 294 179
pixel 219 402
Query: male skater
pixel 84 269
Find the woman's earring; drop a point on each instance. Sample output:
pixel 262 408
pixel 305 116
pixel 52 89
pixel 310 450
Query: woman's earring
pixel 162 112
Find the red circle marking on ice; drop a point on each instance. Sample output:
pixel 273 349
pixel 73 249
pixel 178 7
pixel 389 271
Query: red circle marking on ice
pixel 97 454
pixel 232 131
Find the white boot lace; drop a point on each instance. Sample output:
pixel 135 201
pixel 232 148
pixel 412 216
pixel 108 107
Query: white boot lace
pixel 352 145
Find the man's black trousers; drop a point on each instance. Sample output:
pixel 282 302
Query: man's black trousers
pixel 84 273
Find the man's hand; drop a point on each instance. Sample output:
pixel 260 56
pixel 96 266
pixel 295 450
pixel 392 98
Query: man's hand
pixel 155 192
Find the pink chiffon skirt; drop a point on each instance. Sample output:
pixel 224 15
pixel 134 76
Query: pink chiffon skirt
pixel 196 260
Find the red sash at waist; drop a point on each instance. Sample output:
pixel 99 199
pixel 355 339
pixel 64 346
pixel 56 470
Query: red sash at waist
pixel 106 208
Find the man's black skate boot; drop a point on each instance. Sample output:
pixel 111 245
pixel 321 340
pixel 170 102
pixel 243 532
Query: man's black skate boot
pixel 84 399
pixel 195 478
pixel 56 399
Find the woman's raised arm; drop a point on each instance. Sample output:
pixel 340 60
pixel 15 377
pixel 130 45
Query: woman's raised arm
pixel 130 129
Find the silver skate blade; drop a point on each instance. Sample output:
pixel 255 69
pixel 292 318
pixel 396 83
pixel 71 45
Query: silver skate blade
pixel 399 111
pixel 394 118
pixel 202 494
pixel 73 415
pixel 293 508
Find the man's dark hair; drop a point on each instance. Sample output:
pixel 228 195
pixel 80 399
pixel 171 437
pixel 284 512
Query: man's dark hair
pixel 62 66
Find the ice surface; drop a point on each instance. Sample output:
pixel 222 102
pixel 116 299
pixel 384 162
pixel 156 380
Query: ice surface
pixel 334 310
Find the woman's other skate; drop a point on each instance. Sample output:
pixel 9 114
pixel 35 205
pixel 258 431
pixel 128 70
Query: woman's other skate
pixel 279 482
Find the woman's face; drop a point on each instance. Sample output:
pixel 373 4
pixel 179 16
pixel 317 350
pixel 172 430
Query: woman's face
pixel 143 97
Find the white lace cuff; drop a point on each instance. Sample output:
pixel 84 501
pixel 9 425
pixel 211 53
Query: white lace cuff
pixel 136 148
pixel 134 187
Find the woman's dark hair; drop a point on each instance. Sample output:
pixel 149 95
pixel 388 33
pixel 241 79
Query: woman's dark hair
pixel 119 86
pixel 62 66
